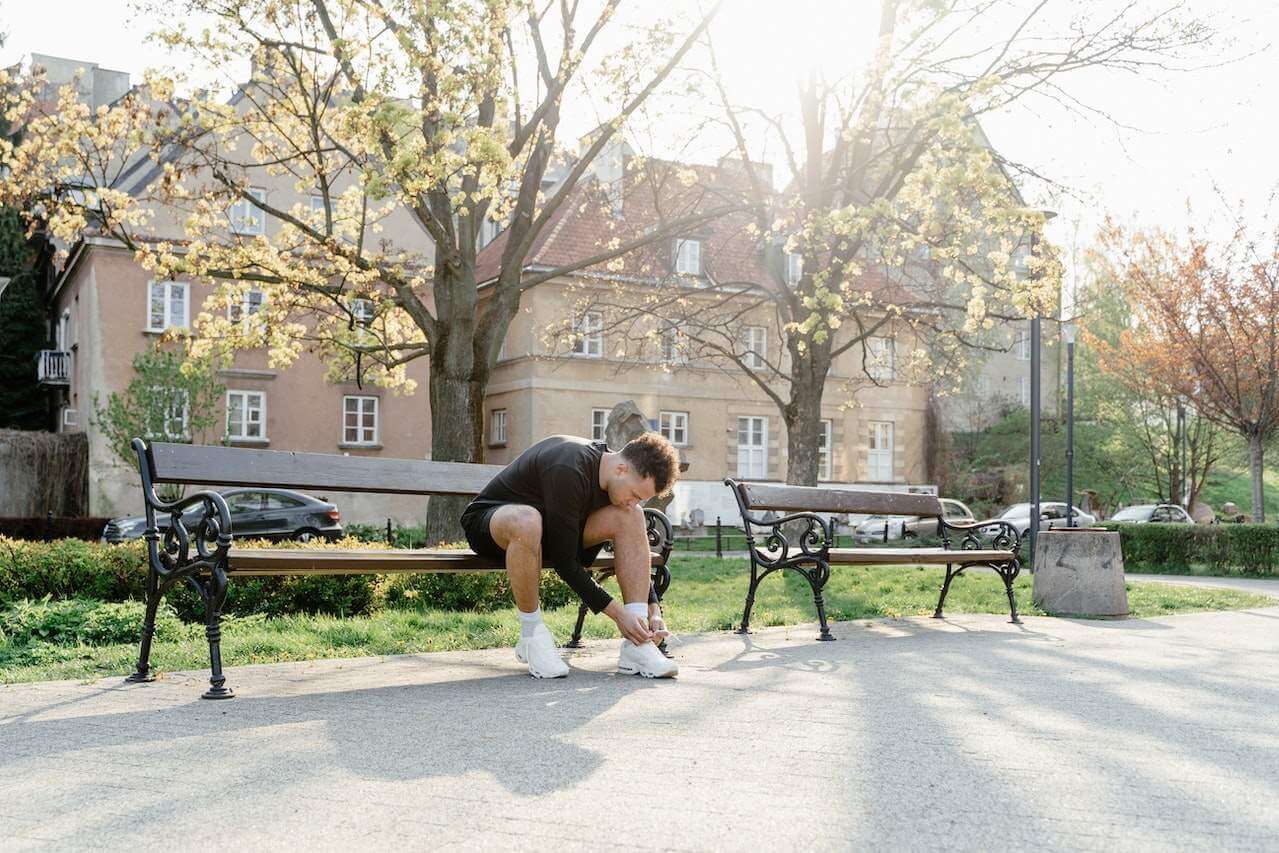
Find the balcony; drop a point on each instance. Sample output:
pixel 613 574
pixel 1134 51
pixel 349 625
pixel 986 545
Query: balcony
pixel 53 367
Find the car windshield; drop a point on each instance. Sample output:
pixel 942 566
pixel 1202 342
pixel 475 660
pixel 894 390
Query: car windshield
pixel 1015 510
pixel 882 518
pixel 1134 513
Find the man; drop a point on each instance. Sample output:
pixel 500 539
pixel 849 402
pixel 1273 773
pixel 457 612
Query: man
pixel 561 500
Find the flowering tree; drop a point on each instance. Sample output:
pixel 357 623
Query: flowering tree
pixel 899 221
pixel 1205 328
pixel 447 112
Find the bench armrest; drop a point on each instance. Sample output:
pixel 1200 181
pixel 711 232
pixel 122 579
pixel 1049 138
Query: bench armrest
pixel 211 535
pixel 1005 538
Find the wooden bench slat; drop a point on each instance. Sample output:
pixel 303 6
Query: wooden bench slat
pixel 911 556
pixel 214 465
pixel 302 561
pixel 816 499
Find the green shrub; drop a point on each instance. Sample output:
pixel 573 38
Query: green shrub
pixel 473 591
pixel 76 621
pixel 72 568
pixel 1214 548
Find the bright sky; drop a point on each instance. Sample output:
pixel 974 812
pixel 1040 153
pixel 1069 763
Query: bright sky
pixel 1188 130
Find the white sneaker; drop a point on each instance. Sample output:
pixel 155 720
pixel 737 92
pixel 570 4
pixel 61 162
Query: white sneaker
pixel 646 660
pixel 538 651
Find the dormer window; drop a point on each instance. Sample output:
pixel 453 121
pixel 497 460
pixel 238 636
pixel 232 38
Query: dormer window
pixel 688 257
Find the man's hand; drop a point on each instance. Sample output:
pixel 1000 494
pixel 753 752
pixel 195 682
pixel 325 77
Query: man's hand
pixel 657 625
pixel 633 628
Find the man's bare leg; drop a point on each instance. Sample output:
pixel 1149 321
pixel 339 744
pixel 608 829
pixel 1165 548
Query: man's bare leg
pixel 517 529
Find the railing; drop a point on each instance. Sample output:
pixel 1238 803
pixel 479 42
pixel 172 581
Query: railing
pixel 53 367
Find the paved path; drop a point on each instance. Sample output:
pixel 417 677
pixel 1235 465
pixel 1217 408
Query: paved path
pixel 967 733
pixel 1264 586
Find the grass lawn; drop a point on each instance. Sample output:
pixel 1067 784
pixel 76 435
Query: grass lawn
pixel 706 595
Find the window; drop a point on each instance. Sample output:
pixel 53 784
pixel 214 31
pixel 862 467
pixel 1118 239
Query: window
pixel 755 345
pixel 167 306
pixel 752 447
pixel 881 359
pixel 363 310
pixel 497 427
pixel 794 268
pixel 241 502
pixel 245 217
pixel 317 205
pixel 250 303
pixel 175 413
pixel 1021 346
pixel 599 423
pixel 824 443
pixel 359 420
pixel 278 501
pixel 246 416
pixel 588 335
pixel 63 337
pixel 879 452
pixel 688 257
pixel 488 231
pixel 674 427
pixel 1023 390
pixel 953 511
pixel 674 346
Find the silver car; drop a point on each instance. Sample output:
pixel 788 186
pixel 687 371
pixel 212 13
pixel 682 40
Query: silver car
pixel 1051 514
pixel 1153 514
pixel 885 528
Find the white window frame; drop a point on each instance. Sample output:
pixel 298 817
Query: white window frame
pixel 794 268
pixel 881 358
pixel 497 427
pixel 488 232
pixel 599 423
pixel 674 427
pixel 825 443
pixel 588 335
pixel 244 409
pixel 63 342
pixel 246 219
pixel 755 346
pixel 240 312
pixel 317 203
pixel 688 256
pixel 364 436
pixel 752 459
pixel 1021 346
pixel 879 453
pixel 183 431
pixel 674 346
pixel 170 287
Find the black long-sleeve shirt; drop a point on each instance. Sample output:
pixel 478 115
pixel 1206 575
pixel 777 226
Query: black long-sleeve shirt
pixel 560 477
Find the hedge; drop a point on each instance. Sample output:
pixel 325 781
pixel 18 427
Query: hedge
pixel 1217 549
pixel 72 569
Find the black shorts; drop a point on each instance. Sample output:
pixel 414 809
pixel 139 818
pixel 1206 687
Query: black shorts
pixel 475 523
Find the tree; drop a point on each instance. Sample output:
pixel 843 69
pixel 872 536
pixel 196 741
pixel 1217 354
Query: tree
pixel 22 329
pixel 899 222
pixel 447 110
pixel 1205 328
pixel 162 402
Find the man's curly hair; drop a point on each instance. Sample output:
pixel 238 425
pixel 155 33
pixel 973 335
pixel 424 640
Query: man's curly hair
pixel 651 455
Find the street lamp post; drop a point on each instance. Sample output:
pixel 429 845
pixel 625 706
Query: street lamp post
pixel 1036 324
pixel 1068 332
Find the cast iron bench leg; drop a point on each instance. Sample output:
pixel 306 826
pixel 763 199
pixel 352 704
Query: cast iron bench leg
pixel 817 580
pixel 576 641
pixel 945 588
pixel 1009 572
pixel 215 596
pixel 144 672
pixel 745 627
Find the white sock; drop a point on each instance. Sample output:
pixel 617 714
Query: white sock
pixel 639 608
pixel 529 622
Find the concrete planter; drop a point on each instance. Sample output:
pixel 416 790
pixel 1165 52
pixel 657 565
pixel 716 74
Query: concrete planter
pixel 1080 572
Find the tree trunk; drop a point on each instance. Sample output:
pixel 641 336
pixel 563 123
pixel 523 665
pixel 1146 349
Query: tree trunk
pixel 456 422
pixel 803 415
pixel 1256 457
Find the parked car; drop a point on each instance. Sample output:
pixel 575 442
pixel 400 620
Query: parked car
pixel 1051 514
pixel 1153 514
pixel 910 526
pixel 255 514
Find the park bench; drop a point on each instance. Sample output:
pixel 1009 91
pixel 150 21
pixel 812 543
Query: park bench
pixel 203 553
pixel 802 541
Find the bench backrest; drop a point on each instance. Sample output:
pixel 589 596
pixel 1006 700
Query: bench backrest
pixel 763 496
pixel 212 465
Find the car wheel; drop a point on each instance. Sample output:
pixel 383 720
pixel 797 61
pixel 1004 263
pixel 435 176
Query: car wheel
pixel 910 534
pixel 306 535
